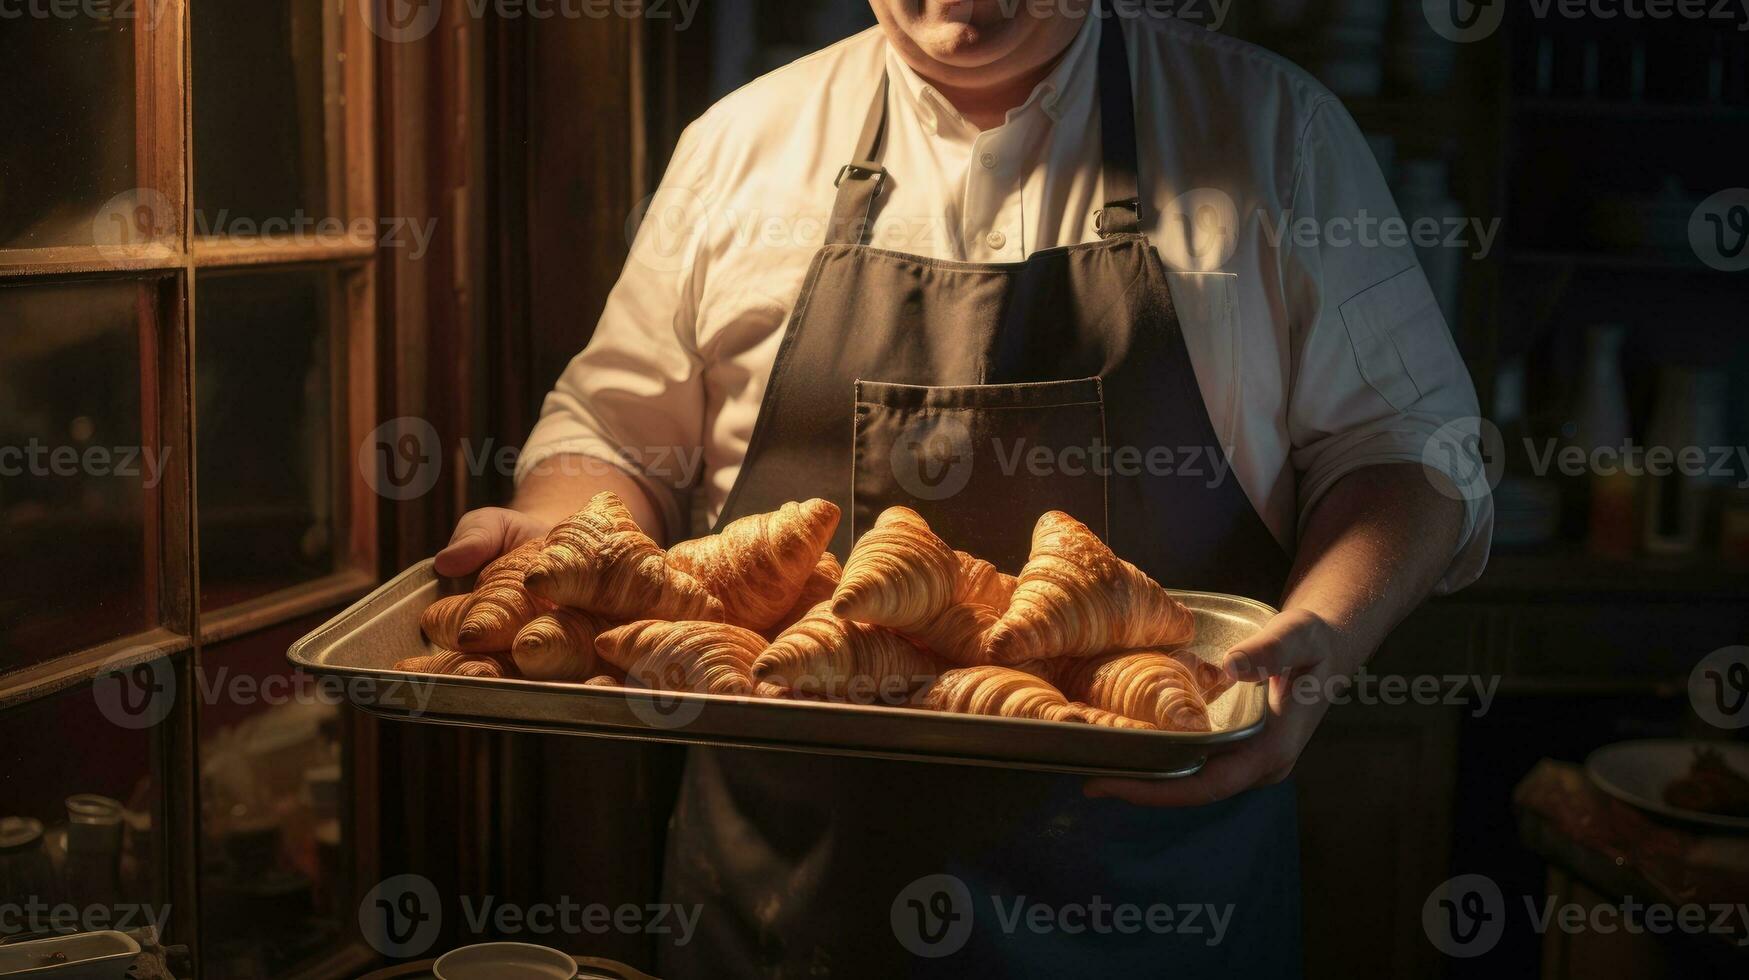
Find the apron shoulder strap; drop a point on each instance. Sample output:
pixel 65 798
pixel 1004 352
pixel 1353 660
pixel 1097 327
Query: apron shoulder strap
pixel 1122 213
pixel 859 182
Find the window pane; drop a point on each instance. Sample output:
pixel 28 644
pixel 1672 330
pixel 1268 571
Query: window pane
pixel 78 803
pixel 73 474
pixel 259 111
pixel 264 442
pixel 275 888
pixel 69 143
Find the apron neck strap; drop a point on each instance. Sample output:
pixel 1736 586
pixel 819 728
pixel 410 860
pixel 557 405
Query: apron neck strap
pixel 860 181
pixel 1122 214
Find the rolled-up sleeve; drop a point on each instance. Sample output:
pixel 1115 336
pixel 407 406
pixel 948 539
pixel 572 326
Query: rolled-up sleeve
pixel 634 396
pixel 1376 377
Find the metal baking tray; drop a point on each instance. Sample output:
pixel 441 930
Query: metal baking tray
pixel 358 648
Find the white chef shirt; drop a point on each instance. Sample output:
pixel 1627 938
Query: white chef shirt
pixel 1319 349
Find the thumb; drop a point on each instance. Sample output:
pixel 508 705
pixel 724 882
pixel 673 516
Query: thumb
pixel 1290 642
pixel 479 537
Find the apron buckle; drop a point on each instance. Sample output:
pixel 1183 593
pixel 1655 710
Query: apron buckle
pixel 857 171
pixel 1107 224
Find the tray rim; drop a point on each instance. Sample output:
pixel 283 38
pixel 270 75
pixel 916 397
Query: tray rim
pixel 301 654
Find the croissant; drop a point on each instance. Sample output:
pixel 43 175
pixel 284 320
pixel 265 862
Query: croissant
pixel 599 560
pixel 453 663
pixel 501 602
pixel 898 575
pixel 1005 692
pixel 1211 680
pixel 602 680
pixel 824 656
pixel 758 564
pixel 980 582
pixel 442 620
pixel 699 657
pixel 1075 598
pixel 557 646
pixel 957 633
pixel 820 584
pixel 1147 685
pixel 1002 692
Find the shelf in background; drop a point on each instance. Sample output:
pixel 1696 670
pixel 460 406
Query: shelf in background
pixel 1568 572
pixel 1593 110
pixel 1601 261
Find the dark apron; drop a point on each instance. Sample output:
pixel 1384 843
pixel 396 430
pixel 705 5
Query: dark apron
pixel 983 395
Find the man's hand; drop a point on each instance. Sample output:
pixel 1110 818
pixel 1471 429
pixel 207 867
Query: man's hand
pixel 484 534
pixel 1372 549
pixel 1293 645
pixel 550 492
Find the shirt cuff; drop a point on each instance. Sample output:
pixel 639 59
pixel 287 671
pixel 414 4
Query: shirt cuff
pixel 1404 440
pixel 662 495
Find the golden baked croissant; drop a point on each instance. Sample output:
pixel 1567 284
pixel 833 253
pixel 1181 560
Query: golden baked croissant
pixel 824 656
pixel 452 663
pixel 1076 598
pixel 820 584
pixel 501 603
pixel 1005 692
pixel 598 560
pixel 557 646
pixel 898 575
pixel 442 620
pixel 957 634
pixel 1211 680
pixel 602 680
pixel 700 657
pixel 1147 685
pixel 758 564
pixel 980 582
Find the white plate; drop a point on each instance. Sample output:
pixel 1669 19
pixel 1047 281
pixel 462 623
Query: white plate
pixel 90 956
pixel 1637 772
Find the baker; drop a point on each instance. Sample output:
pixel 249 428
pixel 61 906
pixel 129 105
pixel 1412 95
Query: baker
pixel 918 267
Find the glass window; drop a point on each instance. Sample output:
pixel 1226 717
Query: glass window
pixel 77 815
pixel 260 150
pixel 69 144
pixel 274 889
pixel 264 385
pixel 74 475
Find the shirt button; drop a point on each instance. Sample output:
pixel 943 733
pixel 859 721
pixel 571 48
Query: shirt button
pixel 995 240
pixel 988 159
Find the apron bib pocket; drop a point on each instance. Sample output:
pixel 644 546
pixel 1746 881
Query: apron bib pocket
pixel 981 462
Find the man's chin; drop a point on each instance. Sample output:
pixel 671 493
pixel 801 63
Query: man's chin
pixel 965 45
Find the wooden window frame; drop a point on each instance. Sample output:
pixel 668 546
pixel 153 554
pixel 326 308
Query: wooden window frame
pixel 167 259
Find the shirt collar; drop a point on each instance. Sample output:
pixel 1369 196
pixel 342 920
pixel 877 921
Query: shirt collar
pixel 1072 78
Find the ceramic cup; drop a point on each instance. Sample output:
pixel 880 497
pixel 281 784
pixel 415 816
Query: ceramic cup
pixel 504 961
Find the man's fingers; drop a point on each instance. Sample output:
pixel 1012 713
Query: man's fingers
pixel 1287 644
pixel 1222 776
pixel 479 537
